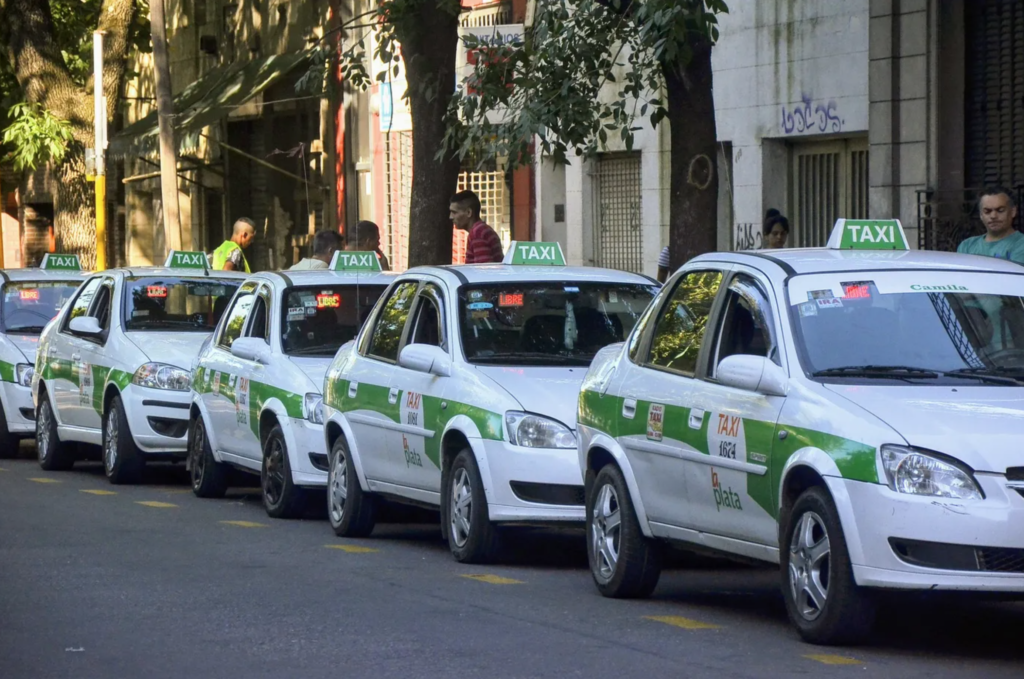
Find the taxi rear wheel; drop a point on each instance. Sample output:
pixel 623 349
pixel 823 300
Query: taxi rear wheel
pixel 122 460
pixel 352 512
pixel 281 497
pixel 822 599
pixel 209 477
pixel 624 563
pixel 54 455
pixel 471 535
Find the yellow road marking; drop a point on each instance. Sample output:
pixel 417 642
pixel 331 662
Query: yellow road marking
pixel 353 549
pixel 245 524
pixel 834 659
pixel 100 492
pixel 177 491
pixel 493 579
pixel 680 621
pixel 154 503
pixel 43 479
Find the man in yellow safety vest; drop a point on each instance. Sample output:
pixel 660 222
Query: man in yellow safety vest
pixel 230 256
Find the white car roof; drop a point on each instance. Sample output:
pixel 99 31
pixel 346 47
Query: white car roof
pixel 140 271
pixel 300 277
pixel 470 274
pixel 33 274
pixel 824 260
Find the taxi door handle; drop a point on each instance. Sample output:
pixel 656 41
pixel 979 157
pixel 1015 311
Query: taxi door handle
pixel 696 419
pixel 629 408
pixel 353 387
pixel 393 395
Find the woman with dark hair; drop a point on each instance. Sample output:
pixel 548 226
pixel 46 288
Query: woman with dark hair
pixel 776 230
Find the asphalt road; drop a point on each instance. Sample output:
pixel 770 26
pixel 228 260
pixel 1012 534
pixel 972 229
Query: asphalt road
pixel 149 581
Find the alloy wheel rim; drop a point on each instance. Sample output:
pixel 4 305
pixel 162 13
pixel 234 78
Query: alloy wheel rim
pixel 461 507
pixel 809 566
pixel 605 532
pixel 338 487
pixel 198 465
pixel 43 432
pixel 273 479
pixel 110 447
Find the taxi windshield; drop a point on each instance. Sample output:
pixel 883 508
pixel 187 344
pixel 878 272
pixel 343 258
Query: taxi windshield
pixel 172 303
pixel 910 327
pixel 318 319
pixel 549 324
pixel 28 306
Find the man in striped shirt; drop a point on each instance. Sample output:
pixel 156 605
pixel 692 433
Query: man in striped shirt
pixel 483 245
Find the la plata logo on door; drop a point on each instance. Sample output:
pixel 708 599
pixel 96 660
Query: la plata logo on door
pixel 724 497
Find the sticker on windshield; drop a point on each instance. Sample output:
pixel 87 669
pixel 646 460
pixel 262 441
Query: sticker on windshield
pixel 829 302
pixel 613 297
pixel 808 309
pixel 655 421
pixel 296 313
pixel 571 288
pixel 474 306
pixel 479 315
pixel 819 294
pixel 476 294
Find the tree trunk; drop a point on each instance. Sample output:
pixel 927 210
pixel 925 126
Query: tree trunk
pixel 693 188
pixel 44 78
pixel 428 49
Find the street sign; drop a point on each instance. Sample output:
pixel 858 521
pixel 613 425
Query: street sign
pixel 363 261
pixel 55 262
pixel 183 259
pixel 868 234
pixel 535 254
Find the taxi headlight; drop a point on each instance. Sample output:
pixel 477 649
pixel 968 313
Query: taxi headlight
pixel 915 472
pixel 24 372
pixel 313 408
pixel 534 431
pixel 162 376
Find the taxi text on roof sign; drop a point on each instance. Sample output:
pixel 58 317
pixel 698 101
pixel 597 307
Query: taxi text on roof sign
pixel 357 260
pixel 183 259
pixel 535 254
pixel 55 262
pixel 868 234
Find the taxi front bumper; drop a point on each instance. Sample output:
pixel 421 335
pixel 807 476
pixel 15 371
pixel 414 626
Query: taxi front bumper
pixel 306 453
pixel 533 484
pixel 916 542
pixel 158 419
pixel 19 408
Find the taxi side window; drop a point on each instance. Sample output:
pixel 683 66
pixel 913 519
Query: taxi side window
pixel 683 321
pixel 236 315
pixel 428 328
pixel 387 333
pixel 260 326
pixel 636 340
pixel 80 307
pixel 102 304
pixel 746 326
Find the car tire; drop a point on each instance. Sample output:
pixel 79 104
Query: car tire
pixel 351 511
pixel 471 535
pixel 10 444
pixel 822 599
pixel 624 563
pixel 122 460
pixel 281 497
pixel 54 455
pixel 209 478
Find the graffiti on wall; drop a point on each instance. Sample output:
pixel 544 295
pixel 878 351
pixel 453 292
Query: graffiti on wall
pixel 810 116
pixel 746 237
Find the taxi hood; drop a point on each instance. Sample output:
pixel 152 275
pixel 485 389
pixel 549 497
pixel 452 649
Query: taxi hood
pixel 552 392
pixel 980 425
pixel 27 344
pixel 173 348
pixel 313 367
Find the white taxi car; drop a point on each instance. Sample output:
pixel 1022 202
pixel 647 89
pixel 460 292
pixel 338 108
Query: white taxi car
pixel 460 393
pixel 852 413
pixel 256 399
pixel 30 300
pixel 112 368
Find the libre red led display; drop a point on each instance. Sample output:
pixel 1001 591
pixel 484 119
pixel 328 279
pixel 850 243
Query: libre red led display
pixel 29 295
pixel 510 299
pixel 857 291
pixel 156 291
pixel 328 301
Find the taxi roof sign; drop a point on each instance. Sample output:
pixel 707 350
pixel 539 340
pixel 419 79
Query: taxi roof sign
pixel 868 234
pixel 537 253
pixel 359 261
pixel 55 262
pixel 185 259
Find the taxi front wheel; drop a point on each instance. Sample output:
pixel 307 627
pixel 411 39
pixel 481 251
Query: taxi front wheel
pixel 53 454
pixel 471 535
pixel 625 563
pixel 281 497
pixel 122 460
pixel 352 512
pixel 209 477
pixel 822 599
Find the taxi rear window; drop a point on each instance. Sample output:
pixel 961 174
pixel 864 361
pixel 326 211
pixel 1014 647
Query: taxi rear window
pixel 317 320
pixel 547 323
pixel 28 306
pixel 171 303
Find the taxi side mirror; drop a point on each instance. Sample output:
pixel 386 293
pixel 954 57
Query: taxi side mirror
pixel 426 358
pixel 251 349
pixel 753 373
pixel 85 325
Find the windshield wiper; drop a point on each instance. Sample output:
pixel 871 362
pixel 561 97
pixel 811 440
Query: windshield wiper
pixel 879 371
pixel 524 358
pixel 318 349
pixel 986 374
pixel 26 330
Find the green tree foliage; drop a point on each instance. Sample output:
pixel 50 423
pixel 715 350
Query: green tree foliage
pixel 682 325
pixel 35 136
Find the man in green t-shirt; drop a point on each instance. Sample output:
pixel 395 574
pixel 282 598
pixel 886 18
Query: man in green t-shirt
pixel 998 209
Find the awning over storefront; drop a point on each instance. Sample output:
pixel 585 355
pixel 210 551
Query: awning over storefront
pixel 205 102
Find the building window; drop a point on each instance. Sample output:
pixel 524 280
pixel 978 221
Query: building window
pixel 829 181
pixel 617 235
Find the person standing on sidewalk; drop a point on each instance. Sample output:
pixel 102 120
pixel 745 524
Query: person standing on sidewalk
pixel 325 244
pixel 230 255
pixel 483 246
